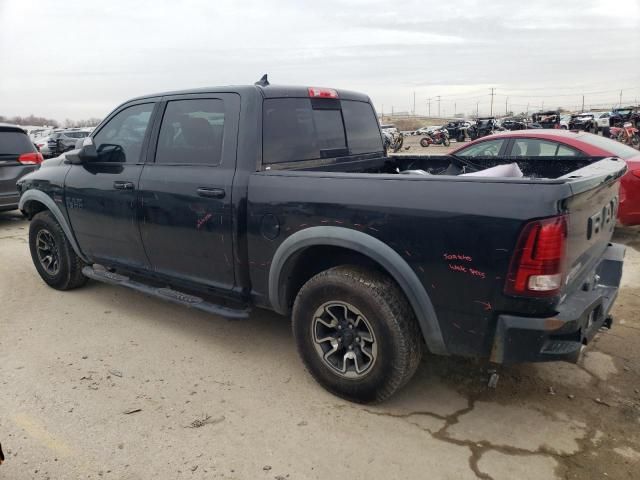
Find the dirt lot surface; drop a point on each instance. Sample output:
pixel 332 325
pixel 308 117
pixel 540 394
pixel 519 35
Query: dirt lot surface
pixel 105 383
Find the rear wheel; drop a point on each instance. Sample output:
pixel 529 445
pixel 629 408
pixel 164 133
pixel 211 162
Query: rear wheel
pixel 635 141
pixel 424 142
pixel 356 333
pixel 52 254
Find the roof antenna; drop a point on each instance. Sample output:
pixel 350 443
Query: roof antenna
pixel 263 82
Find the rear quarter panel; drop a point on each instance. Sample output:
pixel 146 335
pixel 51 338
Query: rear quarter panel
pixel 456 235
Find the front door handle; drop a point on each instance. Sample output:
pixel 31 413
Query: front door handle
pixel 211 192
pixel 118 185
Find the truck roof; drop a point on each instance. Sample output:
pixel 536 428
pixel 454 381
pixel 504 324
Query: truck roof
pixel 269 91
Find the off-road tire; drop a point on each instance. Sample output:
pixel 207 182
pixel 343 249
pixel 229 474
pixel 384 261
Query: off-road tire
pixel 424 142
pixel 399 347
pixel 446 142
pixel 69 274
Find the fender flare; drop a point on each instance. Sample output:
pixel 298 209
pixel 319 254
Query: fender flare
pixel 41 197
pixel 377 251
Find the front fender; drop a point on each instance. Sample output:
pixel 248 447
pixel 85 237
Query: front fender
pixel 39 196
pixel 377 251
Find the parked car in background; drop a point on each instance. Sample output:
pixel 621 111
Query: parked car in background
pixel 42 144
pixel 484 126
pixel 390 128
pixel 584 121
pixel 458 130
pixel 18 156
pixel 513 123
pixel 602 120
pixel 427 130
pixel 561 144
pixel 564 121
pixel 626 114
pixel 548 119
pixel 64 141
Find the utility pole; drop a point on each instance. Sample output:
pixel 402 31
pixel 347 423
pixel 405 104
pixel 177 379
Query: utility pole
pixel 620 98
pixel 455 108
pixel 414 102
pixel 492 94
pixel 506 108
pixel 429 105
pixel 438 106
pixel 583 103
pixel 477 109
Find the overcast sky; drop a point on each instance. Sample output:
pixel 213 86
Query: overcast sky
pixel 78 58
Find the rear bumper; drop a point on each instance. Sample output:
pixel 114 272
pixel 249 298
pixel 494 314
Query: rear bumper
pixel 578 319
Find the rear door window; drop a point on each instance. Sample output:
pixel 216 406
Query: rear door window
pixel 533 147
pixel 191 132
pixel 13 142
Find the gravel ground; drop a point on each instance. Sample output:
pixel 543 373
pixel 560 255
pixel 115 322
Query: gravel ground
pixel 102 382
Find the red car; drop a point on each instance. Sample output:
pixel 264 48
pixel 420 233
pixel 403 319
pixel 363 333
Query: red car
pixel 562 143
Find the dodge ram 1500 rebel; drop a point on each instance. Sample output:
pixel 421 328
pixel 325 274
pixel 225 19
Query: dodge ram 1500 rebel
pixel 227 199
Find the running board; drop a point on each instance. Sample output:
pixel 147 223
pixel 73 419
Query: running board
pixel 173 296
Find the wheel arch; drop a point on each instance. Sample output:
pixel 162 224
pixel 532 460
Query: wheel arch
pixel 35 201
pixel 295 250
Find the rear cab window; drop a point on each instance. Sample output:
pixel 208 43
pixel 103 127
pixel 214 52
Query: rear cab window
pixel 300 129
pixel 15 142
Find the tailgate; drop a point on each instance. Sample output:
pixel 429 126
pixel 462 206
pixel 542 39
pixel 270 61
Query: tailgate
pixel 591 217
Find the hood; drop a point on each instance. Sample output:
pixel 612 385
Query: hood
pixel 54 162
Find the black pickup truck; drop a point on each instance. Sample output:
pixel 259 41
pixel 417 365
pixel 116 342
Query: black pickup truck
pixel 226 199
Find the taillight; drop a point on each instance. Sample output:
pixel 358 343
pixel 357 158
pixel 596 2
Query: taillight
pixel 34 158
pixel 315 92
pixel 537 262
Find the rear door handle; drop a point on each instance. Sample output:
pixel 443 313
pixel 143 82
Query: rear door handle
pixel 118 185
pixel 211 192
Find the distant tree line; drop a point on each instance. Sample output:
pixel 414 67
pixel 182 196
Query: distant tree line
pixel 50 122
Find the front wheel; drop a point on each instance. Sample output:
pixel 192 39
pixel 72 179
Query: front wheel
pixel 424 142
pixel 446 142
pixel 356 333
pixel 635 141
pixel 52 254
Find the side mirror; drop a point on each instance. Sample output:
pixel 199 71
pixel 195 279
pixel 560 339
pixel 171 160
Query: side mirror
pixel 86 154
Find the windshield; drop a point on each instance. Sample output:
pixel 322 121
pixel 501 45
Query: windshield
pixel 615 148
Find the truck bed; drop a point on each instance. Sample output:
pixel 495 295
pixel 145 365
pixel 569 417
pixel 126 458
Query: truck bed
pixel 439 165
